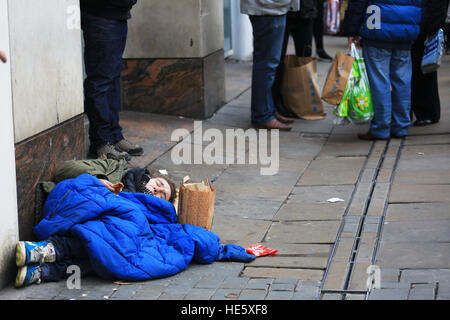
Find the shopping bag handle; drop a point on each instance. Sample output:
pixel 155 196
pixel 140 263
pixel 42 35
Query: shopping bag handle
pixel 354 52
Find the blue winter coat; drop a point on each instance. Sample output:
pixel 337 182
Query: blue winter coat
pixel 130 236
pixel 398 25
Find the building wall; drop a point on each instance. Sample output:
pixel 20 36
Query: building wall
pixel 46 65
pixel 8 218
pixel 47 95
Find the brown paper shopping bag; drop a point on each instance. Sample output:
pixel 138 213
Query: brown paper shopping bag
pixel 196 204
pixel 299 88
pixel 337 77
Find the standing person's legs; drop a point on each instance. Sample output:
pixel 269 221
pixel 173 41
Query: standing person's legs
pixel 318 33
pixel 105 41
pixel 425 102
pixel 291 18
pixel 378 63
pixel 268 34
pixel 400 74
pixel 302 36
pixel 318 26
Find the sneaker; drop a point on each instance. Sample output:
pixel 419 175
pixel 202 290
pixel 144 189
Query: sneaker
pixel 28 275
pixel 322 55
pixel 131 148
pixel 28 252
pixel 110 151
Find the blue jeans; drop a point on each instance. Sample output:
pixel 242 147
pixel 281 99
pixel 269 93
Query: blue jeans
pixel 268 35
pixel 386 69
pixel 69 251
pixel 104 41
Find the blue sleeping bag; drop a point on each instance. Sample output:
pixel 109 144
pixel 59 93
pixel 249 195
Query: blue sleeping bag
pixel 129 236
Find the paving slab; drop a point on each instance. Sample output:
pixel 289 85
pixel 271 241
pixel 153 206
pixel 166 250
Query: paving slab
pixel 251 182
pixel 240 231
pixel 298 249
pixel 358 279
pixel 338 171
pixel 304 232
pixel 252 294
pixel 443 291
pixel 417 255
pixel 296 211
pixel 320 194
pixel 279 295
pixel 289 262
pixel 248 207
pixel 339 148
pixel 314 126
pixel 427 139
pixel 303 274
pixel 421 292
pixel 421 163
pixel 422 177
pixel 344 250
pixel 389 294
pixel 425 152
pixel 419 193
pixel 336 276
pixel 425 275
pixel 417 231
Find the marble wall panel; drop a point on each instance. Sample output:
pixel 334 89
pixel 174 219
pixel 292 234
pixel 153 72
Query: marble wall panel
pixel 38 158
pixel 189 87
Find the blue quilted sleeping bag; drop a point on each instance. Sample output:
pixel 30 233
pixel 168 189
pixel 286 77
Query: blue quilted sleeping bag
pixel 129 236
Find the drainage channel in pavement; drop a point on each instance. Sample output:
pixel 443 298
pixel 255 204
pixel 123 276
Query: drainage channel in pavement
pixel 350 269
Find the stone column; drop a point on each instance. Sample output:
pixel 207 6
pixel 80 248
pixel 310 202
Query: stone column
pixel 9 233
pixel 47 95
pixel 174 60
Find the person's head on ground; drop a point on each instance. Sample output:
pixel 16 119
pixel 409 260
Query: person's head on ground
pixel 161 186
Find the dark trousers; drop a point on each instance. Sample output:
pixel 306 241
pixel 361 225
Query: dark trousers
pixel 104 41
pixel 69 251
pixel 425 102
pixel 318 26
pixel 302 33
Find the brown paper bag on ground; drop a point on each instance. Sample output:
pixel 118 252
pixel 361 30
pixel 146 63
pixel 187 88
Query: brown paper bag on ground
pixel 299 88
pixel 196 204
pixel 337 77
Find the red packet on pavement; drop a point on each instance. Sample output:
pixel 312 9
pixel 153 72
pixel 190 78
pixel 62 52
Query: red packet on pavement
pixel 260 250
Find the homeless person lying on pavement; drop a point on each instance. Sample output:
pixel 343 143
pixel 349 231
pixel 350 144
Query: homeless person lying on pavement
pixel 129 236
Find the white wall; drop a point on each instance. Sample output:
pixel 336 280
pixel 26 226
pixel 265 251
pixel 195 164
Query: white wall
pixel 46 65
pixel 9 233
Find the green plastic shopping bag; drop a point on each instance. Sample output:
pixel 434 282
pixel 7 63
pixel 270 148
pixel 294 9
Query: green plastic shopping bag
pixel 356 104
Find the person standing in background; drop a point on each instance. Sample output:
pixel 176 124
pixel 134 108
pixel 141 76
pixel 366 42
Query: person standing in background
pixel 104 24
pixel 387 55
pixel 268 19
pixel 318 33
pixel 299 24
pixel 425 102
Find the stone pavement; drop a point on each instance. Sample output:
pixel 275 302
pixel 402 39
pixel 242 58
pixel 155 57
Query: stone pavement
pixel 395 215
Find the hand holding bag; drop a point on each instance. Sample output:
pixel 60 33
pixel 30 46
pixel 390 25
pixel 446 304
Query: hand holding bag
pixel 356 104
pixel 337 78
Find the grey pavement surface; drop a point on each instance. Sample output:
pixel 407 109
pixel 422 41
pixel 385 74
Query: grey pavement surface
pixel 395 213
